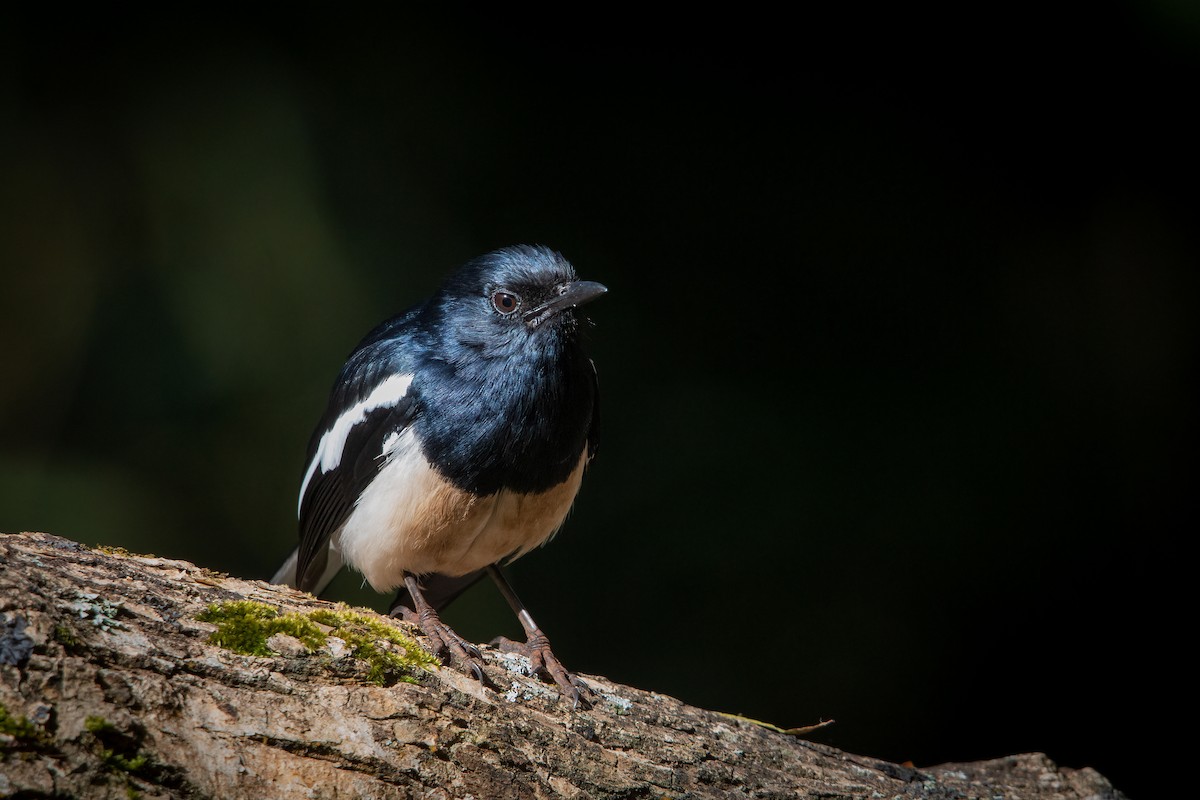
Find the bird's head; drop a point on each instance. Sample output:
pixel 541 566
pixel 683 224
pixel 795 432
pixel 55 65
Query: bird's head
pixel 510 296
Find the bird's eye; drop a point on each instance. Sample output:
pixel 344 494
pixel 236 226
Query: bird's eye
pixel 505 302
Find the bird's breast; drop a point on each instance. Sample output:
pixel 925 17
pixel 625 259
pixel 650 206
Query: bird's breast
pixel 412 519
pixel 522 428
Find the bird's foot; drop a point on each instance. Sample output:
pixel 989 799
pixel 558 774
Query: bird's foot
pixel 445 643
pixel 546 664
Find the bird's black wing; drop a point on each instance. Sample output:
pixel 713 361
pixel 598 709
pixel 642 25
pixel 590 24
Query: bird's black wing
pixel 369 403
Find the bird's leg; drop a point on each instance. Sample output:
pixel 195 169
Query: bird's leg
pixel 536 646
pixel 446 643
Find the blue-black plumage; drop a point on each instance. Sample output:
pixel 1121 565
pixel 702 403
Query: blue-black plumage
pixel 455 437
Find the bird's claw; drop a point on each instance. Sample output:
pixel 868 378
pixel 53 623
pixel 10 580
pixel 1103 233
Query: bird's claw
pixel 546 665
pixel 444 642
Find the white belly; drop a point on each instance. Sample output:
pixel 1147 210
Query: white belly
pixel 411 520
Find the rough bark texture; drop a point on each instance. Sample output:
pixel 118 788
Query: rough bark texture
pixel 110 687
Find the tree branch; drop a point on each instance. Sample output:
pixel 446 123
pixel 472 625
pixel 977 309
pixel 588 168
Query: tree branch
pixel 112 685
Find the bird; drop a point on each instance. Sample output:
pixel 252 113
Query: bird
pixel 454 441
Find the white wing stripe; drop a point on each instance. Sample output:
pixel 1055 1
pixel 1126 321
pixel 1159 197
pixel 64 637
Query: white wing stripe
pixel 333 441
pixel 308 476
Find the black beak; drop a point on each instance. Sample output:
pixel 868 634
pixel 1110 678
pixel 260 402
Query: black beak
pixel 573 294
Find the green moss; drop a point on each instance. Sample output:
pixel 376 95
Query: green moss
pixel 23 732
pixel 16 727
pixel 244 626
pixel 118 750
pixel 65 636
pixel 119 762
pixel 97 725
pixel 363 634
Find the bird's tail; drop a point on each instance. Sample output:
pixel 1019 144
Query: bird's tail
pixel 286 574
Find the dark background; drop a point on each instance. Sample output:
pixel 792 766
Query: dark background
pixel 895 361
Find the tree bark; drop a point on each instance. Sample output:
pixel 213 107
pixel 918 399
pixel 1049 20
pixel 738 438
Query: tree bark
pixel 110 686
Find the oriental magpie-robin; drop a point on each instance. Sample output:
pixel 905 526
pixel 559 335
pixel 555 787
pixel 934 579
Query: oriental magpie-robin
pixel 455 438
